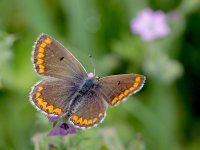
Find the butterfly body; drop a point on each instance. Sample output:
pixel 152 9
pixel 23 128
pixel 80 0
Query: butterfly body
pixel 68 89
pixel 85 91
pixel 88 86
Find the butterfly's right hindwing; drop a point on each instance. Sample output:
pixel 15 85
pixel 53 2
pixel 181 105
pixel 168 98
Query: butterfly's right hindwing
pixel 91 112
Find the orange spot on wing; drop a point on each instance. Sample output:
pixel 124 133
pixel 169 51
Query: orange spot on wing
pixel 40 100
pixel 50 108
pixel 131 89
pixel 41 50
pixel 75 118
pixel 94 120
pixel 89 122
pixel 41 70
pixel 57 111
pixel 80 120
pixel 40 61
pixel 40 55
pixel 121 96
pixel 38 94
pixel 48 41
pixel 84 122
pixel 100 114
pixel 44 105
pixel 40 88
pixel 41 67
pixel 43 45
pixel 114 100
pixel 136 85
pixel 126 92
pixel 137 79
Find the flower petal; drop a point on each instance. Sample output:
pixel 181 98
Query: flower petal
pixel 53 118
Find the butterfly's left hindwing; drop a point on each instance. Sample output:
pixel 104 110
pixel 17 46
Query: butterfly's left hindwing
pixel 52 96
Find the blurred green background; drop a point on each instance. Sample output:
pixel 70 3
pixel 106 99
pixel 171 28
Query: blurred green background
pixel 164 115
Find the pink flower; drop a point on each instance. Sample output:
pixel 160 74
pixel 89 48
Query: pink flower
pixel 150 25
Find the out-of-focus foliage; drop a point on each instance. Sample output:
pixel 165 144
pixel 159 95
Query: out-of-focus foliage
pixel 164 115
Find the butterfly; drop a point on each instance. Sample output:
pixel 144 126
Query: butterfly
pixel 68 90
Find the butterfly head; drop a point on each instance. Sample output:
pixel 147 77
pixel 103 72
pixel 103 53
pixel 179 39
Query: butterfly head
pixel 91 75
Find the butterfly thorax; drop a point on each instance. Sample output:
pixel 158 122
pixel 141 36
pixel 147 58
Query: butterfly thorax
pixel 87 86
pixel 85 91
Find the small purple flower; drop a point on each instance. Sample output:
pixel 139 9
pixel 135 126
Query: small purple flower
pixel 63 129
pixel 150 25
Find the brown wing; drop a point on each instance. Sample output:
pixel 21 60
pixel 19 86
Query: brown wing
pixel 90 112
pixel 52 96
pixel 116 88
pixel 50 58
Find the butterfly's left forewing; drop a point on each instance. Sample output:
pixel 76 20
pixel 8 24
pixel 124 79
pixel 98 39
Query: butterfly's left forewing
pixel 52 59
pixel 116 88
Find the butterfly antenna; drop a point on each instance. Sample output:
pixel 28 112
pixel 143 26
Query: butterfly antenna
pixel 92 62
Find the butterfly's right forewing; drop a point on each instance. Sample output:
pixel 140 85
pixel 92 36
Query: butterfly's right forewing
pixel 116 88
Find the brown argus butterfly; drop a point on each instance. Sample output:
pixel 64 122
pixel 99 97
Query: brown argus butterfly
pixel 68 90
